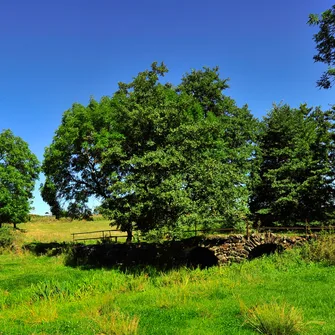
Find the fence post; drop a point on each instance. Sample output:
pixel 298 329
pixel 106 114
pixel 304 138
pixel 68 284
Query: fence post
pixel 248 231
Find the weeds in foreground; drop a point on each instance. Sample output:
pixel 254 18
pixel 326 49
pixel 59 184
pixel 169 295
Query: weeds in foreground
pixel 274 319
pixel 111 321
pixel 321 250
pixel 6 237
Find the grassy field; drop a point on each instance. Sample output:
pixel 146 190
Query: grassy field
pixel 48 229
pixel 39 295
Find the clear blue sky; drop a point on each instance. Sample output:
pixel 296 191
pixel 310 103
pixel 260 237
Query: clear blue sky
pixel 57 52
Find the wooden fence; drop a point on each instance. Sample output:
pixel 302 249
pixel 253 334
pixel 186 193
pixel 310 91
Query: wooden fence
pixel 294 229
pixel 112 235
pixel 98 235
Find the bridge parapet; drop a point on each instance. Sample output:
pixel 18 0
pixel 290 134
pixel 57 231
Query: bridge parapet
pixel 196 251
pixel 236 248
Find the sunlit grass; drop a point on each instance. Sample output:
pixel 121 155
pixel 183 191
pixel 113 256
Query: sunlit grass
pixel 39 295
pixel 49 230
pixel 275 318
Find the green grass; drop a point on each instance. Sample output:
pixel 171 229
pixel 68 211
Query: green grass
pixel 275 318
pixel 39 295
pixel 48 229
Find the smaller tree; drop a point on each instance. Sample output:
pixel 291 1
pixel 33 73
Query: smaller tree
pixel 19 169
pixel 325 44
pixel 293 178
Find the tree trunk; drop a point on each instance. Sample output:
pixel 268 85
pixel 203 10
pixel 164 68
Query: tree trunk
pixel 129 235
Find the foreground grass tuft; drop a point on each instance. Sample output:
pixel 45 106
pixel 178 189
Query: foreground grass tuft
pixel 275 319
pixel 112 321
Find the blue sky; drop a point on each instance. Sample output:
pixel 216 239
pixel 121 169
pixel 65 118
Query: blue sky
pixel 55 53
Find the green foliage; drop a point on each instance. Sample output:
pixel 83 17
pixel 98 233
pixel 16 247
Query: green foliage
pixel 156 156
pixel 205 86
pixel 79 211
pixel 321 250
pixel 164 234
pixel 293 176
pixel 6 237
pixel 19 169
pixel 325 44
pixel 48 193
pixel 274 319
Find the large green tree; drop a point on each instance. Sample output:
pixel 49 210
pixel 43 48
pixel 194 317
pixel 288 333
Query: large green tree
pixel 19 169
pixel 157 156
pixel 295 177
pixel 325 44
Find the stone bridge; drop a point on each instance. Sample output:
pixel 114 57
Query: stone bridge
pixel 236 248
pixel 195 251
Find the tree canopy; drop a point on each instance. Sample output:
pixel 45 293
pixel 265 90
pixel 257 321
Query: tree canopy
pixel 161 158
pixel 156 155
pixel 295 159
pixel 325 44
pixel 19 169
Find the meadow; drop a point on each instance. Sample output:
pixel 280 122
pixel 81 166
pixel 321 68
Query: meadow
pixel 40 295
pixel 48 229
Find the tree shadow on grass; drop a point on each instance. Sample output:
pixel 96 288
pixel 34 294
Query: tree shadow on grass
pixel 48 248
pixel 265 250
pixel 133 257
pixel 128 257
pixel 141 255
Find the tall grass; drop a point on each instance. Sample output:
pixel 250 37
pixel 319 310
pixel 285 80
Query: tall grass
pixel 39 295
pixel 275 319
pixel 321 250
pixel 6 237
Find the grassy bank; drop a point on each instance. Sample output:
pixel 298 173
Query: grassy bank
pixel 39 295
pixel 48 229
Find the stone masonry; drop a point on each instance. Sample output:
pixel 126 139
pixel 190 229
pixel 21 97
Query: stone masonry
pixel 236 248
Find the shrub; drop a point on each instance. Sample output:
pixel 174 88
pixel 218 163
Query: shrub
pixel 322 250
pixel 274 319
pixel 6 237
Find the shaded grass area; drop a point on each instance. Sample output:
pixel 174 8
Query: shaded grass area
pixel 39 295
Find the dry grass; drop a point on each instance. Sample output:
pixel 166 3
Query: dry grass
pixel 112 321
pixel 48 229
pixel 321 250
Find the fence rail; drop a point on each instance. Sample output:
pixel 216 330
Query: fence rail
pixel 102 235
pixel 306 229
pixel 112 235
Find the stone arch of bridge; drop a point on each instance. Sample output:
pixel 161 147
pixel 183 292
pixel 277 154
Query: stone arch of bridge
pixel 267 244
pixel 236 248
pixel 265 249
